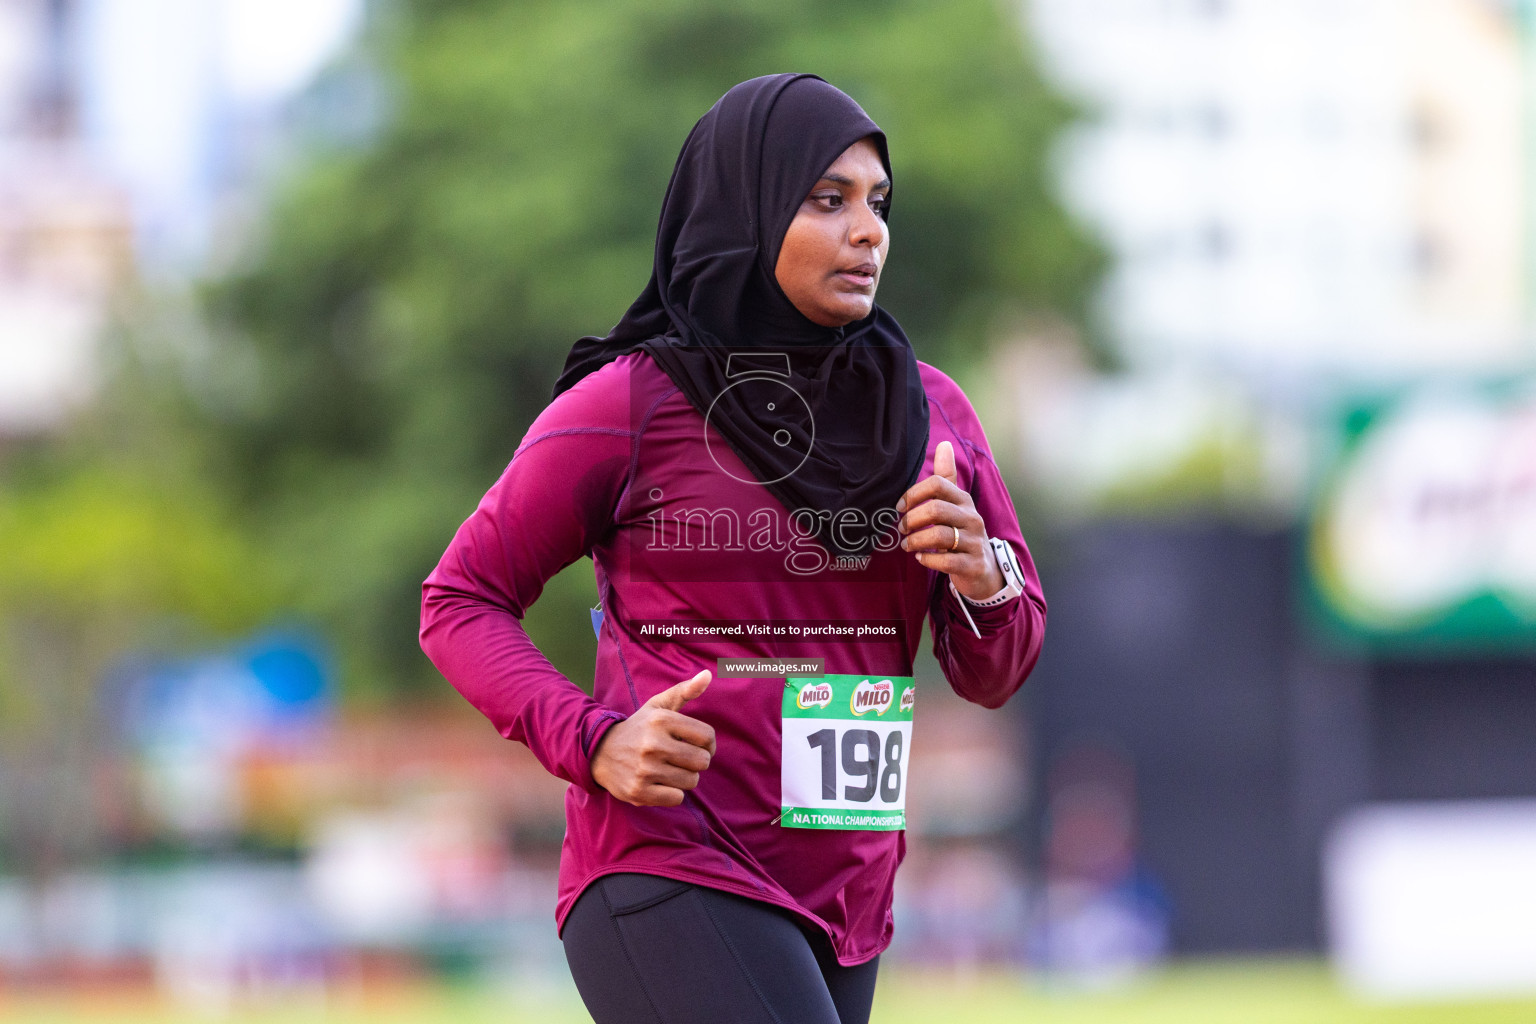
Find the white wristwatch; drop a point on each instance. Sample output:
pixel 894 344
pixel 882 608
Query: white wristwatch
pixel 1013 583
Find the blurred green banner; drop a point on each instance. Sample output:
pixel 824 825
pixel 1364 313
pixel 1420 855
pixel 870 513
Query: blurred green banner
pixel 1423 532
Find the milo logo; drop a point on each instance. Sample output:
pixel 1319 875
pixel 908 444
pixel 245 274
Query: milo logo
pixel 814 695
pixel 908 698
pixel 874 697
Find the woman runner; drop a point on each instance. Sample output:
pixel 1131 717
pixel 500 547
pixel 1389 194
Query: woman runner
pixel 770 484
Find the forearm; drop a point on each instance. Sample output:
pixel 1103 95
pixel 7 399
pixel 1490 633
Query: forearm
pixel 489 658
pixel 989 668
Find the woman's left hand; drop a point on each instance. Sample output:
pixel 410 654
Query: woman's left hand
pixel 943 529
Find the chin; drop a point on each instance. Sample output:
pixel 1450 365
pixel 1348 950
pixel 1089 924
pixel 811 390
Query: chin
pixel 845 314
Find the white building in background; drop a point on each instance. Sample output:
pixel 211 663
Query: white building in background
pixel 129 131
pixel 65 228
pixel 182 102
pixel 1302 186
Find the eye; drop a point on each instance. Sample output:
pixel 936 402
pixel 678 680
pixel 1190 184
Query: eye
pixel 827 200
pixel 880 204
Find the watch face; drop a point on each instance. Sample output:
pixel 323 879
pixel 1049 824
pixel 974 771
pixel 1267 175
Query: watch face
pixel 1013 575
pixel 771 406
pixel 1005 560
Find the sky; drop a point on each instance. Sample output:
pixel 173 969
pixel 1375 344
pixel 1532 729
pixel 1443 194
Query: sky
pixel 168 85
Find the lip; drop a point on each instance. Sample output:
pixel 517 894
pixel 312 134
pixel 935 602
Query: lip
pixel 862 275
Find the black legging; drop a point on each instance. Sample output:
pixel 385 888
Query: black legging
pixel 650 950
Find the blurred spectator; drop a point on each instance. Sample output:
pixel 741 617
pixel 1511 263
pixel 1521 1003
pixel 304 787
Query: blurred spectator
pixel 1103 918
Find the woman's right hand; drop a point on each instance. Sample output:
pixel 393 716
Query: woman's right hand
pixel 655 755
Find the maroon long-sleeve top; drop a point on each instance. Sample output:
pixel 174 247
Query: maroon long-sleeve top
pixel 622 468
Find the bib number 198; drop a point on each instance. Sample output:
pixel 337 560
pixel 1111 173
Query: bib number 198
pixel 845 749
pixel 861 759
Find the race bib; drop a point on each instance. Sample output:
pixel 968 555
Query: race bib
pixel 844 758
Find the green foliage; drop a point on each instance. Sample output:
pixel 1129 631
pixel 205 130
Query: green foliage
pixel 377 357
pixel 95 561
pixel 97 544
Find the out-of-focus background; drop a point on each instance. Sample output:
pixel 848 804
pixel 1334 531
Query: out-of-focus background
pixel 1245 290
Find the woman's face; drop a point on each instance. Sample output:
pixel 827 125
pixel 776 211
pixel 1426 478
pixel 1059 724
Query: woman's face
pixel 831 258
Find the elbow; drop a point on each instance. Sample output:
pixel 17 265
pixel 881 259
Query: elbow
pixel 429 629
pixel 995 699
pixel 1007 681
pixel 989 688
pixel 424 640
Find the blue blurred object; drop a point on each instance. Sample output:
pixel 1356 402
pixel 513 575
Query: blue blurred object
pixel 597 622
pixel 276 684
pixel 291 669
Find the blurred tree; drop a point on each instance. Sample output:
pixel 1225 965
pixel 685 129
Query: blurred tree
pixel 377 356
pixel 96 562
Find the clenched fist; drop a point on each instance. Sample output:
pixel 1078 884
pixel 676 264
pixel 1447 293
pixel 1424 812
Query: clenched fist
pixel 653 757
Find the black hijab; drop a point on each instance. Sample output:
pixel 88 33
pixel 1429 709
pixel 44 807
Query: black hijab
pixel 716 321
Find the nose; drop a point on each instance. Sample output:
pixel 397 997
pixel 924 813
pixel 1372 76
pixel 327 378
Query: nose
pixel 868 228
